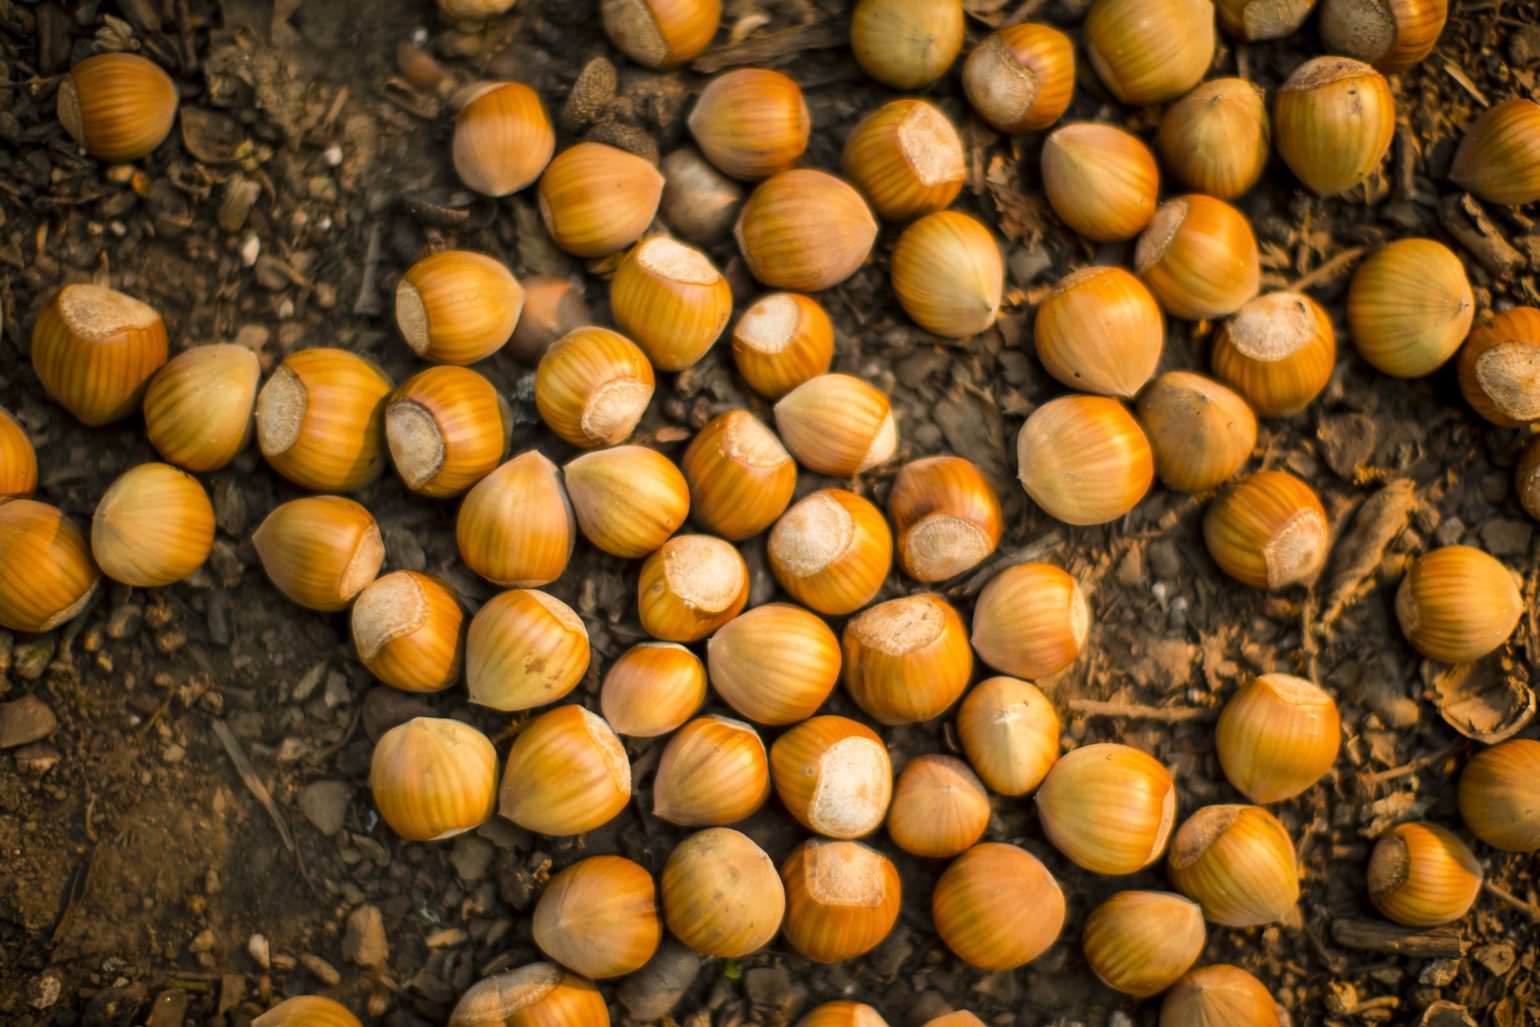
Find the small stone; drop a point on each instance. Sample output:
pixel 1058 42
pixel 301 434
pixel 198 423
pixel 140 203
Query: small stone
pixel 652 992
pixel 363 942
pixel 323 971
pixel 169 1010
pixel 257 945
pixel 43 991
pixel 37 759
pixel 31 659
pixel 768 986
pixel 24 720
pixel 471 857
pixel 232 990
pixel 173 754
pixel 325 804
pixel 1506 537
pixel 1440 973
pixel 307 684
pixel 337 692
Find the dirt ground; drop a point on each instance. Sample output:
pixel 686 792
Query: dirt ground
pixel 142 878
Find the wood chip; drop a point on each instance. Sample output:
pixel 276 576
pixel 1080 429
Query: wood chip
pixel 1379 936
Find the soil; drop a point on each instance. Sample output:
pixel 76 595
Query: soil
pixel 194 840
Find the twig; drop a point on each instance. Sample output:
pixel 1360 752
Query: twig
pixel 368 302
pixel 1379 936
pixel 1168 714
pixel 1529 909
pixel 259 791
pixel 1329 270
pixel 1412 767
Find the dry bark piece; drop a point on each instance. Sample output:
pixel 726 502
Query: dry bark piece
pixel 1448 942
pixel 1358 553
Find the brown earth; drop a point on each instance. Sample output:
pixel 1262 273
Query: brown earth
pixel 141 877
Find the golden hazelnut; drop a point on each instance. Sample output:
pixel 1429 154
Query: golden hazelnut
pixel 1010 734
pixel 997 907
pixel 1216 139
pixel 805 230
pixel 947 517
pixel 319 551
pixel 1278 351
pixel 1100 330
pixel 671 300
pixel 1149 51
pixel 1392 35
pixel 1499 367
pixel 1199 257
pixel 1102 181
pixel 948 274
pixel 537 995
pixel 408 631
pixel 843 1014
pixel 1257 20
pixel 599 917
pixel 1108 807
pixel 838 425
pixel 447 428
pixel 321 420
pixel 1278 736
pixel 751 122
pixel 433 778
pixel 721 894
pixel 831 551
pixel 1219 994
pixel 713 772
pixel 95 349
pixel 18 460
pixel 1142 942
pixel 774 664
pixel 307 1011
pixel 566 774
pixel 661 33
pixel 906 43
pixel 61 576
pixel 1499 156
pixel 1021 78
pixel 1084 459
pixel 1456 604
pixel 198 407
pixel 1409 307
pixel 1333 120
pixel 939 807
pixel 1200 432
pixel 119 106
pixel 652 689
pixel 457 307
pixel 1421 875
pixel 690 587
pixel 628 500
pixel 782 340
pixel 596 199
pixel 842 899
pixel 524 649
pixel 1500 795
pixel 907 158
pixel 553 307
pixel 907 660
pixel 1031 620
pixel 833 775
pixel 1268 531
pixel 592 386
pixel 515 527
pixel 1237 862
pixel 153 526
pixel 740 476
pixel 699 202
pixel 502 138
